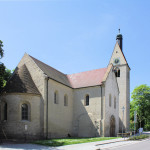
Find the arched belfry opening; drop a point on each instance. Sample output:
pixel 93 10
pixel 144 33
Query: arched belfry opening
pixel 116 71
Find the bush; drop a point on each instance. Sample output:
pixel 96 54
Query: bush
pixel 139 137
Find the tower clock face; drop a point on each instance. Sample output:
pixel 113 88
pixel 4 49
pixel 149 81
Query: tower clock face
pixel 116 61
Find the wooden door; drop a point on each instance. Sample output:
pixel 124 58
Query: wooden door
pixel 112 126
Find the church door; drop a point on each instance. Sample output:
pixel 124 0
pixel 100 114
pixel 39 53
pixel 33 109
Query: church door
pixel 112 126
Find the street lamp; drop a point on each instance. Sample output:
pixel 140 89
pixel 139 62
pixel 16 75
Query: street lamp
pixel 123 108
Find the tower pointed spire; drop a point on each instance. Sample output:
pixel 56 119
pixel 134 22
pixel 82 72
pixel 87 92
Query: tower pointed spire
pixel 119 39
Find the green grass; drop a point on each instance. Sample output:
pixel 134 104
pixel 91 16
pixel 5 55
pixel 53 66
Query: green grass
pixel 139 137
pixel 69 141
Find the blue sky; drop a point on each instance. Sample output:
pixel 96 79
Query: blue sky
pixel 77 35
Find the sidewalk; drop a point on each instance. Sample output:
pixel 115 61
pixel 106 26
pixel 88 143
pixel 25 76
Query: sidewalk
pixel 99 145
pixel 92 145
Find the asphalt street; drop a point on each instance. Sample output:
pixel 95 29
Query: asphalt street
pixel 143 145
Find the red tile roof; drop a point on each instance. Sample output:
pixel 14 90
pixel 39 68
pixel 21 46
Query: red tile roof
pixel 87 78
pixel 77 80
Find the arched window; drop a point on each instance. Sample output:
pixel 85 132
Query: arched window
pixel 87 100
pixel 115 102
pixel 117 73
pixel 5 111
pixel 110 100
pixel 65 100
pixel 25 112
pixel 56 97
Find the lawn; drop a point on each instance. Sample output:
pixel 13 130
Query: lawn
pixel 69 141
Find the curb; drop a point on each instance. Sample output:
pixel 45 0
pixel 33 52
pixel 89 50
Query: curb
pixel 111 142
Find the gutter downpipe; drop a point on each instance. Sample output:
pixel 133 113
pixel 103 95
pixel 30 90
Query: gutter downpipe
pixel 101 103
pixel 47 108
pixel 102 111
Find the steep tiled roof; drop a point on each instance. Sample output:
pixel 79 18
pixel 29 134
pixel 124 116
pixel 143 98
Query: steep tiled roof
pixel 21 82
pixel 78 80
pixel 52 73
pixel 87 78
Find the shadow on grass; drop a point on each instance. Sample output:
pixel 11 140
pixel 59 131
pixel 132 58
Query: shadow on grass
pixel 50 143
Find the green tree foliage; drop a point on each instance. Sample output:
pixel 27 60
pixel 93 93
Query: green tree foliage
pixel 141 103
pixel 1 49
pixel 4 73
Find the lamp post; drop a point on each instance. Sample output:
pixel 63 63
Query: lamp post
pixel 135 120
pixel 123 108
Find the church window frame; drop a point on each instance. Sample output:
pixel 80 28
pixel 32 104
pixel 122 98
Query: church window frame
pixel 87 100
pixel 56 97
pixel 25 111
pixel 65 100
pixel 109 100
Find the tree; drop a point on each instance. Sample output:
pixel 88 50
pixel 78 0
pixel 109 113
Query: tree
pixel 4 73
pixel 141 103
pixel 1 50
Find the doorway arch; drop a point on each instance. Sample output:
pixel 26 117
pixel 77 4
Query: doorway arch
pixel 112 126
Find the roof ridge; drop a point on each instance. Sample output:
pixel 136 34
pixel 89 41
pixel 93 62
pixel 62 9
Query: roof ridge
pixel 88 71
pixel 48 65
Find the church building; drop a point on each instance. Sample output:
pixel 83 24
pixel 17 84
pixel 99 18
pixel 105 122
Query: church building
pixel 41 102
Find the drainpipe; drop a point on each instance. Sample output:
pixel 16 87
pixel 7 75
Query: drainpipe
pixel 47 78
pixel 102 112
pixel 101 103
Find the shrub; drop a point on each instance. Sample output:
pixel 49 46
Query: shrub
pixel 138 137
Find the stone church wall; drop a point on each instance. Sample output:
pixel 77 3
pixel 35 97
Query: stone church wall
pixel 59 116
pixel 124 87
pixel 14 126
pixel 39 79
pixel 111 88
pixel 36 73
pixel 124 97
pixel 86 121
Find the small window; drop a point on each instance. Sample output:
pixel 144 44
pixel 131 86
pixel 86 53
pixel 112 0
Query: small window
pixel 117 73
pixel 56 97
pixel 65 100
pixel 87 100
pixel 110 100
pixel 24 108
pixel 115 102
pixel 5 111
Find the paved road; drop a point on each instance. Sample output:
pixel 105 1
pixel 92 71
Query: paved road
pixel 143 145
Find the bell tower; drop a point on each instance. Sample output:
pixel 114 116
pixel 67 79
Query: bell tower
pixel 122 72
